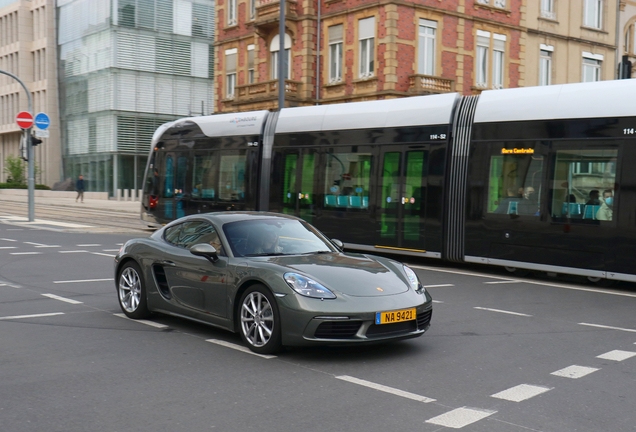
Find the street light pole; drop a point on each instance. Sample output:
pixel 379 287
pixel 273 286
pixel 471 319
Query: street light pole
pixel 27 140
pixel 281 56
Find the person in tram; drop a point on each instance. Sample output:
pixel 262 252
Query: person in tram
pixel 605 213
pixel 594 198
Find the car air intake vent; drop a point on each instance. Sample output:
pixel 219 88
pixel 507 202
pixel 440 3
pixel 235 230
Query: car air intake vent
pixel 387 329
pixel 424 319
pixel 337 329
pixel 162 282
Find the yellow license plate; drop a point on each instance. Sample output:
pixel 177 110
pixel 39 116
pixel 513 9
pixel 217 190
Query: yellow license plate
pixel 395 316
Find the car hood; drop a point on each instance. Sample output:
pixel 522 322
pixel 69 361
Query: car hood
pixel 353 275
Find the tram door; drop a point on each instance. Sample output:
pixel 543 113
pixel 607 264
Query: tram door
pixel 298 183
pixel 402 197
pixel 173 170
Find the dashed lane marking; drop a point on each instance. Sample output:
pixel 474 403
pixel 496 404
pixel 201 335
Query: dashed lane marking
pixel 617 355
pixel 26 253
pixel 460 417
pixel 8 247
pixel 103 254
pixel 521 392
pixel 383 388
pixel 239 348
pixel 9 240
pixel 88 245
pixel 439 286
pixel 64 299
pixel 31 316
pixel 82 281
pixel 574 371
pixel 437 301
pixel 146 322
pixel 503 311
pixel 503 282
pixel 608 327
pixel 73 251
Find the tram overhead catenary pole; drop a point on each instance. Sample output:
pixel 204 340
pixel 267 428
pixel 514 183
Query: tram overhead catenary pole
pixel 281 56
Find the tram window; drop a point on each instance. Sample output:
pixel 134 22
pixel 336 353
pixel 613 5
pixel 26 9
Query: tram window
pixel 515 181
pixel 204 176
pixel 232 177
pixel 583 185
pixel 347 179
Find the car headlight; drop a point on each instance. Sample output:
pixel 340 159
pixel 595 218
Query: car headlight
pixel 307 287
pixel 413 279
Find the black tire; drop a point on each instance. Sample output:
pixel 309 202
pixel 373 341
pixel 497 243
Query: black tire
pixel 517 271
pixel 259 320
pixel 131 291
pixel 601 282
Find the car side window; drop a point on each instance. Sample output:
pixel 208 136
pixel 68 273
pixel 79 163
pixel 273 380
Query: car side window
pixel 171 235
pixel 197 232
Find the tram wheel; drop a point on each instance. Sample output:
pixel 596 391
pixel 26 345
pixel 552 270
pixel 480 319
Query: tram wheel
pixel 601 282
pixel 517 271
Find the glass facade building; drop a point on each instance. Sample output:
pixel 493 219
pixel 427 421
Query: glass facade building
pixel 125 68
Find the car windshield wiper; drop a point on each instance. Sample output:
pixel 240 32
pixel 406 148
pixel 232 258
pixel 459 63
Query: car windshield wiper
pixel 265 254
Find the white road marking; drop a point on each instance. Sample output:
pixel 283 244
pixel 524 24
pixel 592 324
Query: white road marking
pixel 239 348
pixel 437 301
pixel 15 229
pixel 617 355
pixel 67 300
pixel 460 417
pixel 87 245
pixel 110 250
pixel 31 316
pixel 8 247
pixel 574 371
pixel 521 392
pixel 103 254
pixel 608 327
pixel 34 244
pixel 503 282
pixel 385 389
pixel 26 253
pixel 149 323
pixel 83 280
pixel 48 246
pixel 555 285
pixel 74 251
pixel 503 311
pixel 438 286
pixel 9 240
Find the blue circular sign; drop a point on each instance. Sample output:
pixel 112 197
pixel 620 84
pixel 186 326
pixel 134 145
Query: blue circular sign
pixel 42 121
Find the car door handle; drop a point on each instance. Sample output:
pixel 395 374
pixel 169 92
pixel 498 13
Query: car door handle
pixel 168 263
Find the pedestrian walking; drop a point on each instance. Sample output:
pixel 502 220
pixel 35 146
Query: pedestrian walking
pixel 79 187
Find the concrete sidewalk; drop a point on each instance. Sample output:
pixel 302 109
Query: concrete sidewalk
pixel 65 199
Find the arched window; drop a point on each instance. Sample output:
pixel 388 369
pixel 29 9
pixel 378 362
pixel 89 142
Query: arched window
pixel 274 47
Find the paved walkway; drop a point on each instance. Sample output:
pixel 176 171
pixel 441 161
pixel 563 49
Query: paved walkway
pixel 98 204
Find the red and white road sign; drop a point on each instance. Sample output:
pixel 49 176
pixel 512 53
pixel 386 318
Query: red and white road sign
pixel 24 119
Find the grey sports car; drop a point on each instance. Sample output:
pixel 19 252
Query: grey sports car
pixel 273 278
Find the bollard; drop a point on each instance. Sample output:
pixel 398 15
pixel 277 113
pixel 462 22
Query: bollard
pixel 118 194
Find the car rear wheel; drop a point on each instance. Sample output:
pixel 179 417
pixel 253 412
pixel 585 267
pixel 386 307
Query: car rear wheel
pixel 131 291
pixel 259 320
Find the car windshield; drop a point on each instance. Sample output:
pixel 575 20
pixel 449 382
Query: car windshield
pixel 271 237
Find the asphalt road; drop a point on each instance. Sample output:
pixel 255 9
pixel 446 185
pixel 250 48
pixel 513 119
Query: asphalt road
pixel 502 355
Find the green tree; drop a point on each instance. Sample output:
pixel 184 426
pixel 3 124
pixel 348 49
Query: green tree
pixel 15 168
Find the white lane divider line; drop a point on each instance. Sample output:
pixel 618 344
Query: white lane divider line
pixel 521 392
pixel 385 389
pixel 608 327
pixel 617 355
pixel 502 311
pixel 26 253
pixel 437 301
pixel 502 282
pixel 439 286
pixel 8 247
pixel 9 240
pixel 460 417
pixel 239 348
pixel 103 254
pixel 34 244
pixel 574 371
pixel 82 280
pixel 74 251
pixel 31 316
pixel 146 322
pixel 88 244
pixel 64 299
pixel 110 250
pixel 48 246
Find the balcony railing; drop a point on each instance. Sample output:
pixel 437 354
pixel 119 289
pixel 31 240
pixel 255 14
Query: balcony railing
pixel 428 84
pixel 266 90
pixel 268 11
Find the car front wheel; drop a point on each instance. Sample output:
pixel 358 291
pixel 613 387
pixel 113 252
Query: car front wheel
pixel 131 291
pixel 259 320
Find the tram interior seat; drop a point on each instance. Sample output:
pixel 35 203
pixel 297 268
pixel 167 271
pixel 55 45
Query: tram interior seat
pixel 342 201
pixel 330 200
pixel 207 193
pixel 347 201
pixel 590 211
pixel 571 209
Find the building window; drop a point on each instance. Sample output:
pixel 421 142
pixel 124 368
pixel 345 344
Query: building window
pixel 230 72
pixel 496 3
pixel 593 13
pixel 250 64
pixel 498 55
pixel 335 54
pixel 545 64
pixel 274 48
pixel 592 67
pixel 231 12
pixel 252 9
pixel 366 35
pixel 547 9
pixel 483 45
pixel 426 47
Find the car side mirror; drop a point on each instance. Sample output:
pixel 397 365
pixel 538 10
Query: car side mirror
pixel 338 244
pixel 205 250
